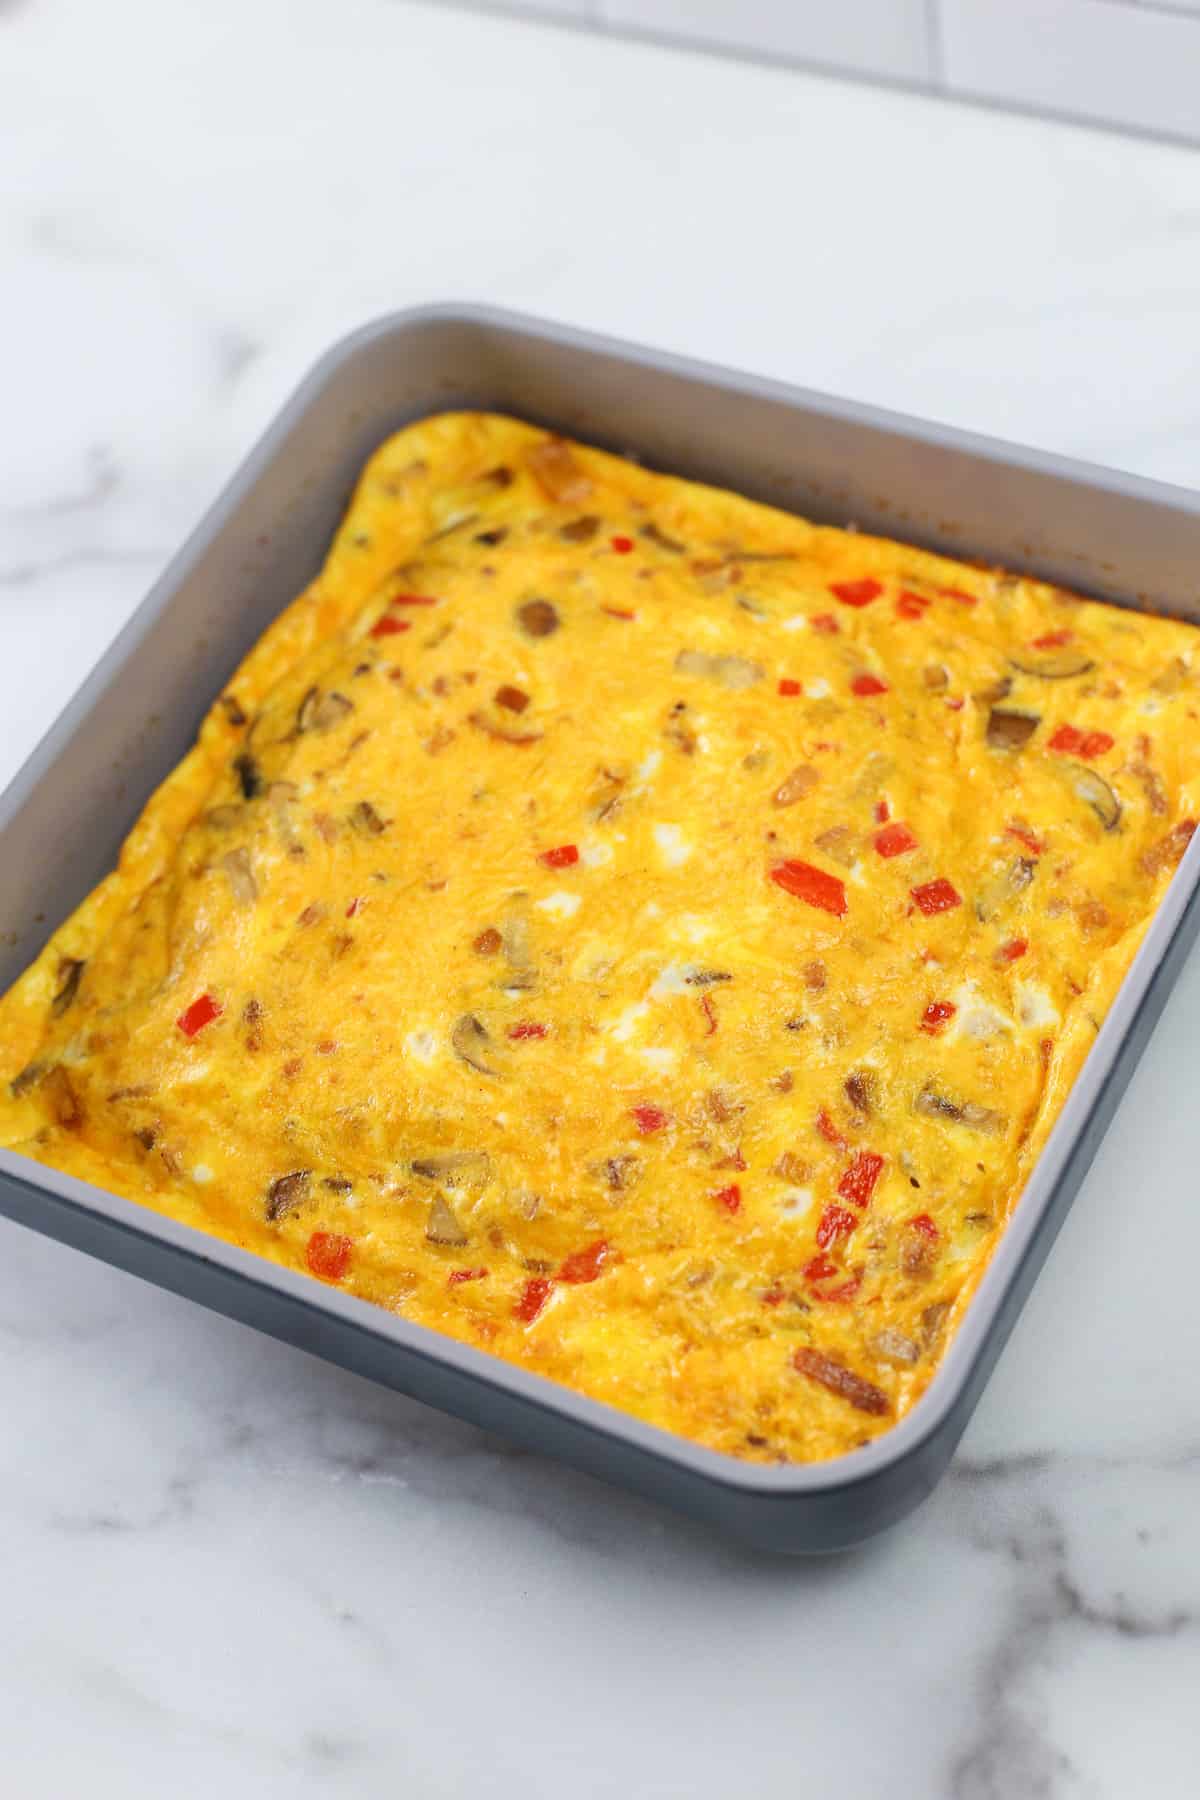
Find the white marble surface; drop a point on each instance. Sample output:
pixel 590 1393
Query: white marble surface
pixel 229 1568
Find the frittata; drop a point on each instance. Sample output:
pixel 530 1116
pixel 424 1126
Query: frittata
pixel 626 928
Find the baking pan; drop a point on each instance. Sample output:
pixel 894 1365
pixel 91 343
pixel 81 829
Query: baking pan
pixel 63 819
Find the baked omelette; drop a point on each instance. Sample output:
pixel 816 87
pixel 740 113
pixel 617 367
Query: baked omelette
pixel 625 928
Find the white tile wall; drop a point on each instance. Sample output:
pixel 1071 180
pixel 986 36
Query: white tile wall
pixel 1128 63
pixel 878 37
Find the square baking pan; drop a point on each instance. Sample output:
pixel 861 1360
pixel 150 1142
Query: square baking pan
pixel 63 819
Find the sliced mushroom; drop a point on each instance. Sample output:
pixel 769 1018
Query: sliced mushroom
pixel 366 820
pixel 553 465
pixel 306 711
pixel 580 531
pixel 65 1105
pixel 1010 730
pixel 1096 793
pixel 249 775
pixel 935 1105
pixel 70 971
pixel 538 618
pixel 331 711
pixel 658 536
pixel 706 977
pixel 512 699
pixel 1053 665
pixel 895 1347
pixel 455 1168
pixel 496 728
pixel 471 1041
pixel 240 876
pixel 495 536
pixel 26 1078
pixel 442 1226
pixel 802 780
pixel 287 1193
pixel 733 672
pixel 1003 887
pixel 860 1090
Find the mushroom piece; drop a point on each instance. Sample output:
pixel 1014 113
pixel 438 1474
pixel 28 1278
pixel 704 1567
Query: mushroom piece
pixel 471 1041
pixel 455 1168
pixel 249 775
pixel 580 531
pixel 64 1103
pixel 894 1346
pixel 802 780
pixel 1054 665
pixel 1003 887
pixel 657 536
pixel 240 876
pixel 70 970
pixel 1096 793
pixel 552 464
pixel 287 1193
pixel 935 1105
pixel 1010 730
pixel 366 820
pixel 733 672
pixel 538 618
pixel 442 1226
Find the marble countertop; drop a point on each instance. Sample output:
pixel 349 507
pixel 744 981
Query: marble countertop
pixel 230 1568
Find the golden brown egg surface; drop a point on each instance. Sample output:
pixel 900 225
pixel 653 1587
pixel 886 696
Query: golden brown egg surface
pixel 631 930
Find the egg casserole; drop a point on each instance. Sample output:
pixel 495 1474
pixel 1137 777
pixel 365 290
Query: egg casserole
pixel 626 928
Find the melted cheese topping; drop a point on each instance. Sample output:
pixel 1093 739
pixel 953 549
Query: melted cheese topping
pixel 626 928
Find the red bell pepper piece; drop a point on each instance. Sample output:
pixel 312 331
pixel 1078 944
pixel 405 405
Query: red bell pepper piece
pixel 858 1181
pixel 328 1255
pixel 936 896
pixel 812 885
pixel 200 1013
pixel 856 593
pixel 895 839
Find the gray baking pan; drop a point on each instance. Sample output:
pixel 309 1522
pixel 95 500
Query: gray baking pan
pixel 63 819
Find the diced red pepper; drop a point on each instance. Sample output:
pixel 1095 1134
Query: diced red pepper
pixel 789 688
pixel 1033 844
pixel 955 705
pixel 729 1197
pixel 355 907
pixel 1012 951
pixel 456 1276
pixel 1088 744
pixel 866 685
pixel 710 1013
pixel 585 1265
pixel 911 606
pixel 649 1118
pixel 1051 640
pixel 937 1016
pixel 413 600
pixel 200 1013
pixel 774 1296
pixel 622 545
pixel 856 593
pixel 533 1297
pixel 882 812
pixel 389 627
pixel 858 1181
pixel 811 885
pixel 819 1269
pixel 618 612
pixel 936 896
pixel 846 1291
pixel 963 599
pixel 829 1130
pixel 895 840
pixel 925 1225
pixel 836 1222
pixel 527 1028
pixel 328 1255
pixel 560 858
pixel 825 622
